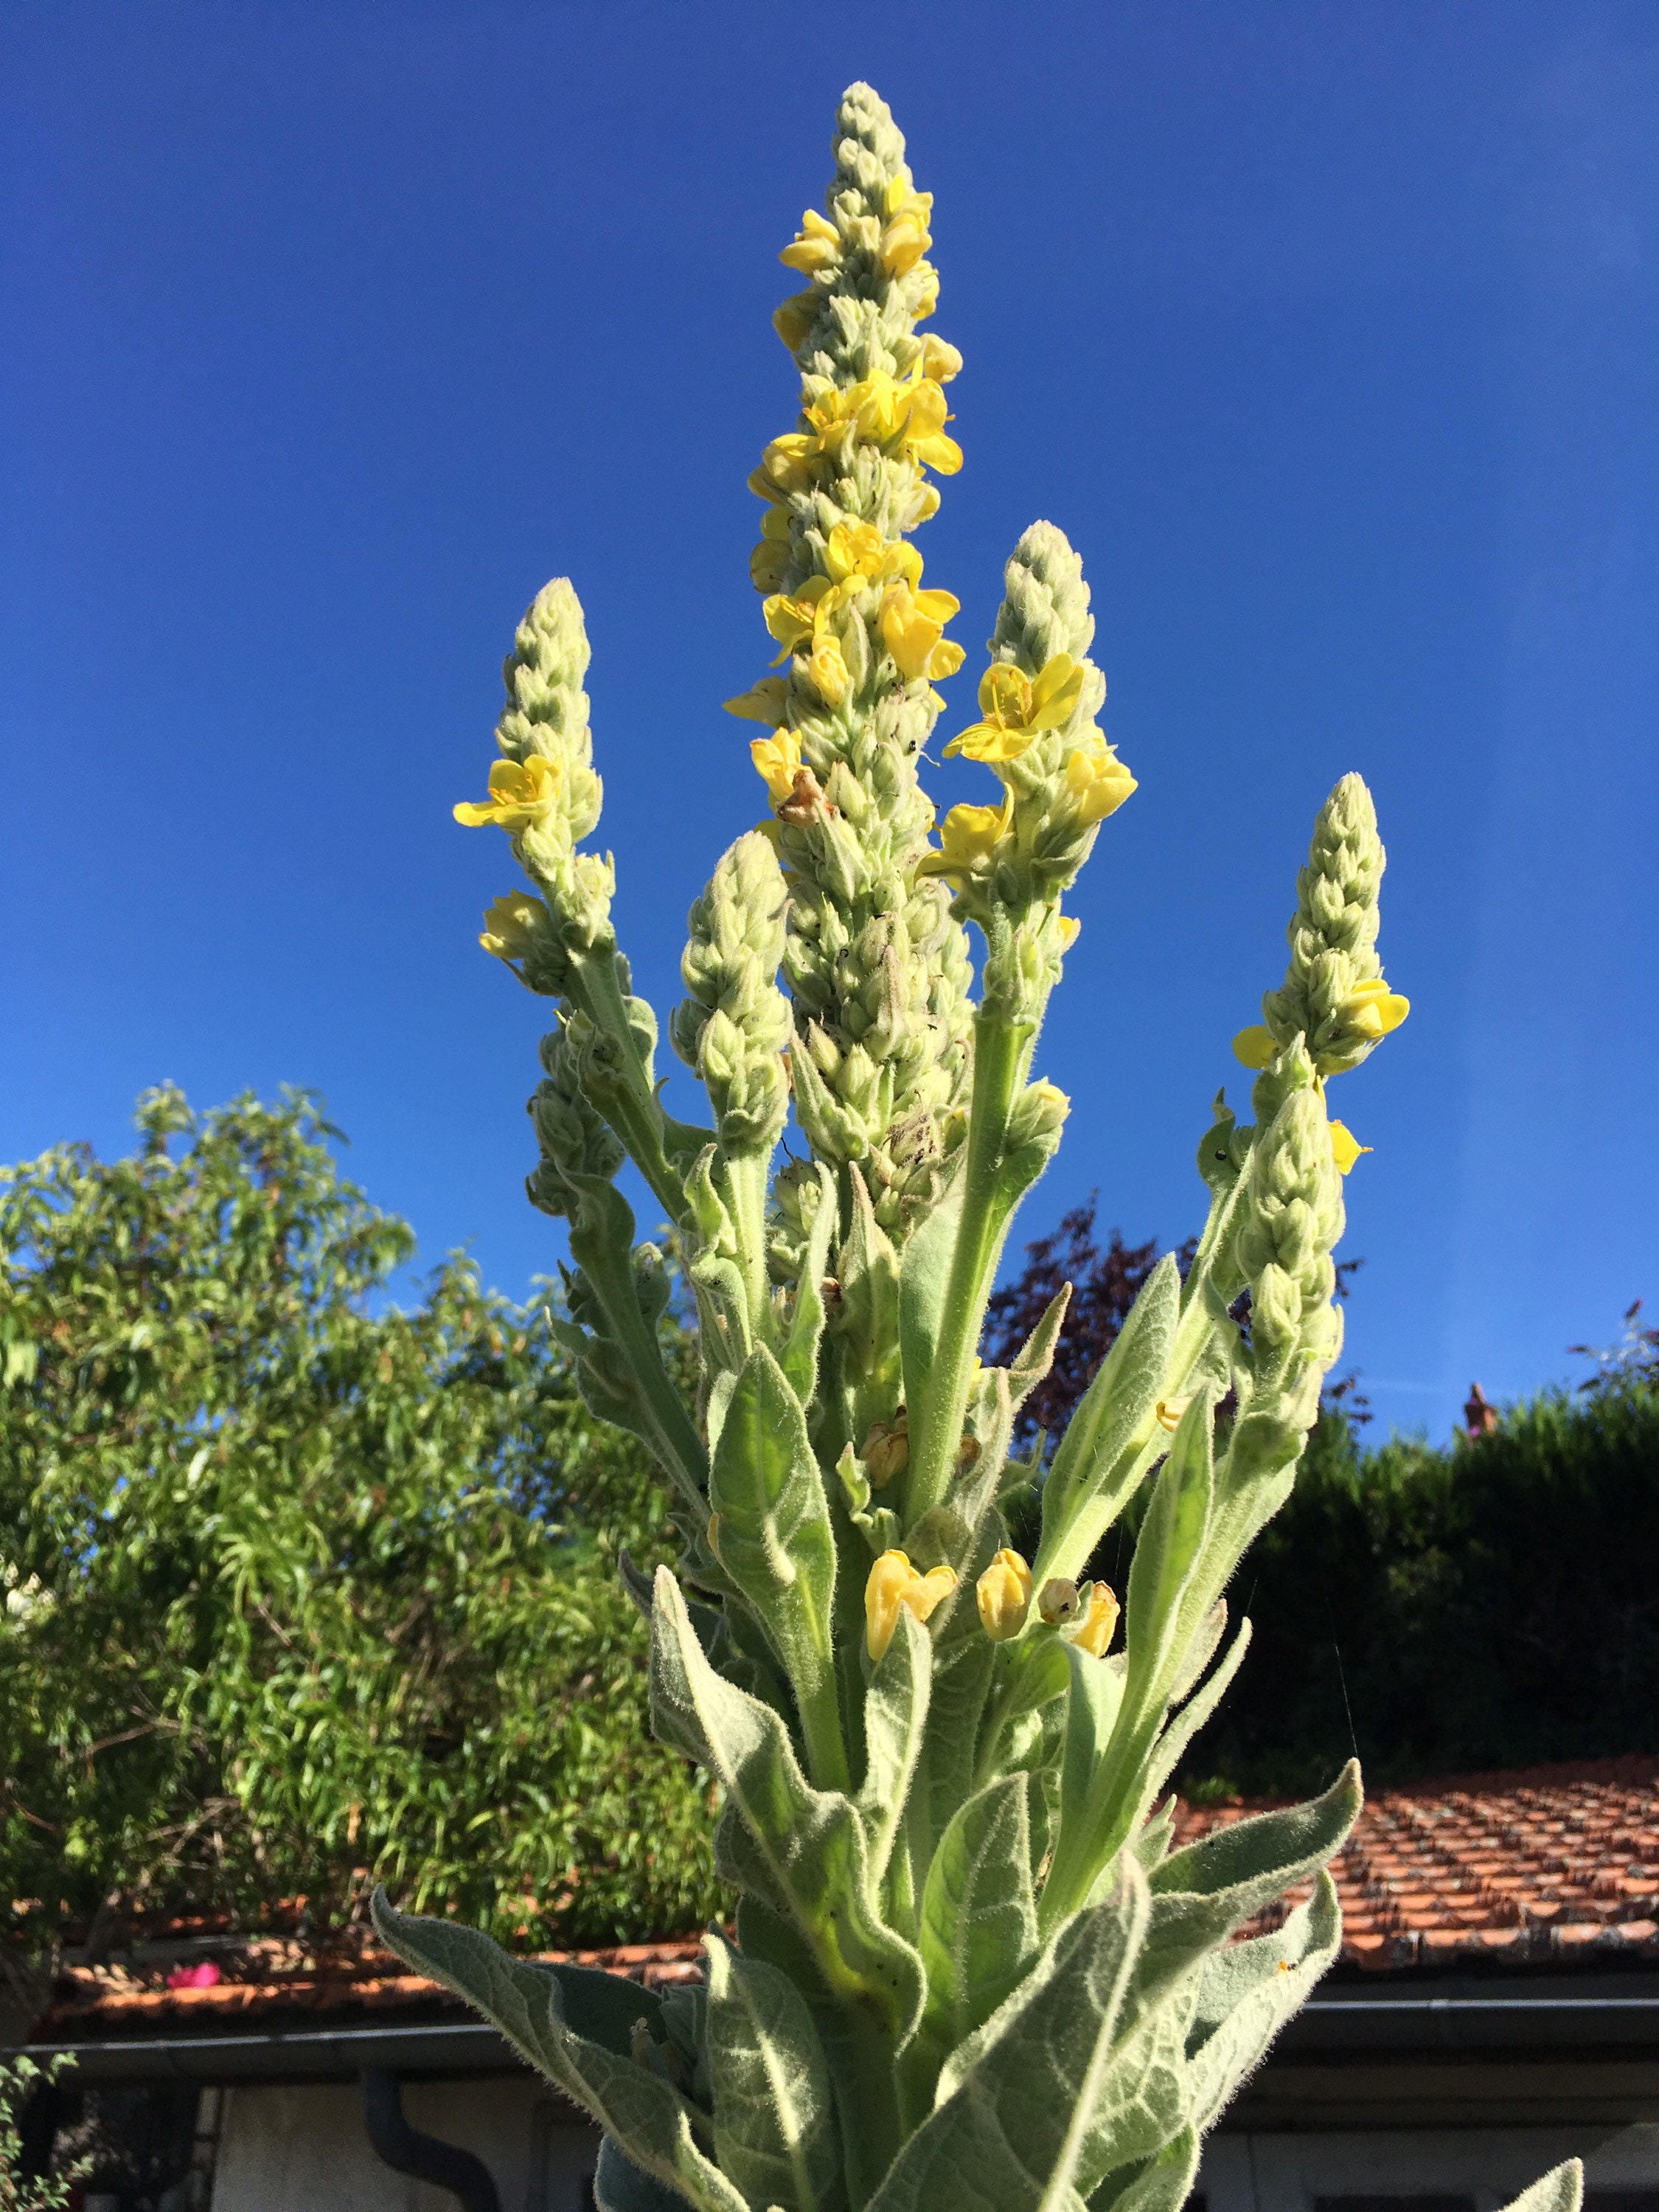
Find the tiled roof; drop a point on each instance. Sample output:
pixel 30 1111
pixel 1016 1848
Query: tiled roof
pixel 277 1979
pixel 1537 1865
pixel 1543 1865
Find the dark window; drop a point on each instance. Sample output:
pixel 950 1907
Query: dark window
pixel 1451 2202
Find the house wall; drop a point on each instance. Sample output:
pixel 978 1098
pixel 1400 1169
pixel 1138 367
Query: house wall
pixel 280 2148
pixel 1291 2172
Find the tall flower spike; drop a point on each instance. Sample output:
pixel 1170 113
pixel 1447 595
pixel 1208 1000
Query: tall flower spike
pixel 1037 732
pixel 878 968
pixel 1333 994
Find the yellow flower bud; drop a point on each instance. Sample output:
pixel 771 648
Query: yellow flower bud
pixel 929 1591
pixel 794 320
pixel 1095 1635
pixel 1004 1592
pixel 511 924
pixel 1096 781
pixel 777 759
pixel 1058 1600
pixel 828 671
pixel 884 1593
pixel 817 246
pixel 1169 1410
pixel 939 361
pixel 893 1582
pixel 886 1451
pixel 769 563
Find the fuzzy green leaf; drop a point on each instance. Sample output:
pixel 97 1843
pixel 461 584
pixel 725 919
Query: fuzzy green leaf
pixel 1162 2184
pixel 801 1349
pixel 774 2132
pixel 1247 1992
pixel 646 2114
pixel 1202 1892
pixel 797 1850
pixel 978 1932
pixel 895 1723
pixel 1017 2102
pixel 1096 1466
pixel 776 1540
pixel 1561 2189
pixel 1166 1550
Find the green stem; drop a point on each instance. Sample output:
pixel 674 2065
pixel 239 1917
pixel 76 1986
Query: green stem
pixel 632 1108
pixel 1085 1845
pixel 611 1272
pixel 820 1724
pixel 745 1198
pixel 937 1415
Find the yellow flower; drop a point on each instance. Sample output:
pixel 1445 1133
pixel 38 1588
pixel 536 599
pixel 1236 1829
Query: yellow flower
pixel 794 320
pixel 1016 705
pixel 520 792
pixel 893 1582
pixel 763 702
pixel 906 236
pixel 1169 1410
pixel 786 465
pixel 510 925
pixel 939 361
pixel 968 835
pixel 1095 1635
pixel 794 621
pixel 906 417
pixel 913 630
pixel 1345 1147
pixel 1254 1047
pixel 1096 781
pixel 1373 1009
pixel 853 549
pixel 1004 1592
pixel 777 759
pixel 1070 930
pixel 828 670
pixel 817 246
pixel 927 298
pixel 769 562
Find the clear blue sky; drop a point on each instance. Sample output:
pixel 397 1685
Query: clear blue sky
pixel 1330 333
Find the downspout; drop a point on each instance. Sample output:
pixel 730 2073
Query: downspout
pixel 406 2150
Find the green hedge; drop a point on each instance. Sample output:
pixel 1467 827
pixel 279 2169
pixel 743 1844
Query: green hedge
pixel 1495 1604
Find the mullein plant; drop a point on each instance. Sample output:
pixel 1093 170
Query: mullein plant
pixel 969 1962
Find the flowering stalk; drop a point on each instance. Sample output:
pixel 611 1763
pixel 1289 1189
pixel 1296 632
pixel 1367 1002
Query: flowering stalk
pixel 963 1939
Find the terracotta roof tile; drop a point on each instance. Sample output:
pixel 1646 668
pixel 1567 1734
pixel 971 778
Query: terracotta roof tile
pixel 1549 1862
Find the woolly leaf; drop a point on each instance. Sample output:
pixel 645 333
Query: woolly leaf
pixel 647 2115
pixel 774 2132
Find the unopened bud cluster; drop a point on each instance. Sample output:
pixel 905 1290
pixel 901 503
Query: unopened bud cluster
pixel 734 1027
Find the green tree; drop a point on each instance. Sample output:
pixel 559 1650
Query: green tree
pixel 300 1587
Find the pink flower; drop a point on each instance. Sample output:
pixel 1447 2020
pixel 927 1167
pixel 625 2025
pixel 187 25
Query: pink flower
pixel 203 1977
